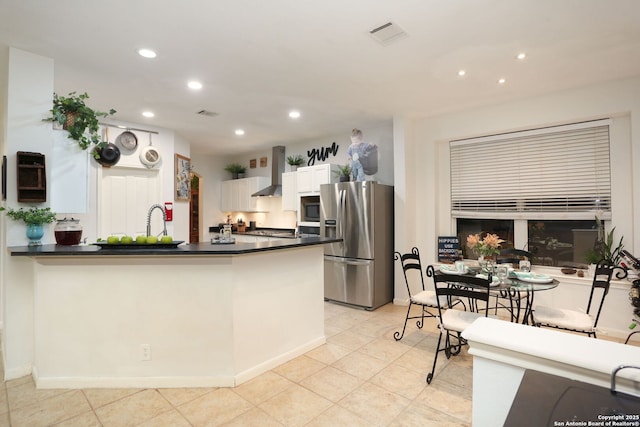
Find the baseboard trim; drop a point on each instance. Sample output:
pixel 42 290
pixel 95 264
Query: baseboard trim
pixel 130 382
pixel 403 301
pixel 172 382
pixel 265 366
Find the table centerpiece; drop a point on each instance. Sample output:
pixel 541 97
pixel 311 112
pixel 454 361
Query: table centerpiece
pixel 486 248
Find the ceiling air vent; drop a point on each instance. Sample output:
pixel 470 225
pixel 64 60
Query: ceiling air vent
pixel 207 113
pixel 387 33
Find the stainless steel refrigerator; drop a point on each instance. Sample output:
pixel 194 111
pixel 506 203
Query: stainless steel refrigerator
pixel 359 270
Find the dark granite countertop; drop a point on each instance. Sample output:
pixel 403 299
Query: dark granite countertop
pixel 193 249
pixel 546 400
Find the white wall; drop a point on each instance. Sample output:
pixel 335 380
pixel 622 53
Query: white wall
pixel 164 141
pixel 619 100
pixel 29 89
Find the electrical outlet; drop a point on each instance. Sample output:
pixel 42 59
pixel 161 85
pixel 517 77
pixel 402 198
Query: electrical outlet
pixel 145 352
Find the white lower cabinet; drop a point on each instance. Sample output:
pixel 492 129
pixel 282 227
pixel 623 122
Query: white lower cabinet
pixel 235 195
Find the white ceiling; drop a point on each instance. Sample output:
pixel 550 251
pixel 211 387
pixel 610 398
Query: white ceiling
pixel 258 59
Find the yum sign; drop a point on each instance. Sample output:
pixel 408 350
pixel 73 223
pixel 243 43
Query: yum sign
pixel 321 154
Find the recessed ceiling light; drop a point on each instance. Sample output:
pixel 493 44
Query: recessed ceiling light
pixel 239 132
pixel 194 85
pixel 147 53
pixel 294 114
pixel 502 81
pixel 462 73
pixel 148 114
pixel 521 55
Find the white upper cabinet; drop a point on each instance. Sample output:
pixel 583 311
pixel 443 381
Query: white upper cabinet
pixel 289 191
pixel 235 195
pixel 311 177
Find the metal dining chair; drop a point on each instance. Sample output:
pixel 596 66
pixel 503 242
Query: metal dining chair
pixel 578 321
pixel 418 295
pixel 452 321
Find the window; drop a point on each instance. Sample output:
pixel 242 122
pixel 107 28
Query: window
pixel 503 228
pixel 559 243
pixel 557 170
pixel 538 190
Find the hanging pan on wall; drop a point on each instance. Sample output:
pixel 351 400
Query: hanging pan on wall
pixel 127 141
pixel 149 156
pixel 109 154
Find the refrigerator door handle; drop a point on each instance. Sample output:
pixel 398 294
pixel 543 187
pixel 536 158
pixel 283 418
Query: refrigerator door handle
pixel 355 261
pixel 341 213
pixel 348 261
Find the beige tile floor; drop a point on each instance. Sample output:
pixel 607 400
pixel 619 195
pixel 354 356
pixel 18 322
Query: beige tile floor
pixel 360 377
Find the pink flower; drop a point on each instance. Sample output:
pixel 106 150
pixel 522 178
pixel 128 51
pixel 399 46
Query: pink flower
pixel 489 245
pixel 492 241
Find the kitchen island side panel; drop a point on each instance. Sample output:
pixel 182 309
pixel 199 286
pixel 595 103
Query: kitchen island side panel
pixel 208 320
pixel 273 316
pixel 92 319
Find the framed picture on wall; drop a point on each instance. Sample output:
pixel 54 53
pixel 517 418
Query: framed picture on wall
pixel 183 178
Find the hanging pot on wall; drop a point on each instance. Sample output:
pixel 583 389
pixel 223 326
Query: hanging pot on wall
pixel 127 141
pixel 149 156
pixel 109 155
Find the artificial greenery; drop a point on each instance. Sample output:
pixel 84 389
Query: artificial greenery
pixel 235 168
pixel 78 119
pixel 33 215
pixel 343 170
pixel 296 160
pixel 604 247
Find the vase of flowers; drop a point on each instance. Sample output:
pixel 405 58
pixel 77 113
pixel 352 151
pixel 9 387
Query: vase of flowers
pixel 486 248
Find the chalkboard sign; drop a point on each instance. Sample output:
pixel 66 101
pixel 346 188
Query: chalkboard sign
pixel 448 248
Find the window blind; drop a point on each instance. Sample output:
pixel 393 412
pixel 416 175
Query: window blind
pixel 560 169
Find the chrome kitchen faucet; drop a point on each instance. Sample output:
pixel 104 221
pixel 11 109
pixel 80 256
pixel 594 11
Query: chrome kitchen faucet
pixel 164 219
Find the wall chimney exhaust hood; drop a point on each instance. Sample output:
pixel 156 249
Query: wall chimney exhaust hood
pixel 277 169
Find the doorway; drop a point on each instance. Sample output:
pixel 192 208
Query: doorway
pixel 194 209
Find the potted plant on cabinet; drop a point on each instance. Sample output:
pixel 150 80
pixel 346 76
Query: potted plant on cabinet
pixel 295 161
pixel 34 218
pixel 72 113
pixel 236 170
pixel 344 173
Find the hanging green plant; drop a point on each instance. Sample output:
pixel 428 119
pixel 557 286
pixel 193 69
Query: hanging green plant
pixel 78 119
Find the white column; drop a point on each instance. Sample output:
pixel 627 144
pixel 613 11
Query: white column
pixel 29 89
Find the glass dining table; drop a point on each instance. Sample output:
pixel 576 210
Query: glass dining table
pixel 518 291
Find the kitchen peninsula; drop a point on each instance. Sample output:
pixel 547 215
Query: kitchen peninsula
pixel 197 315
